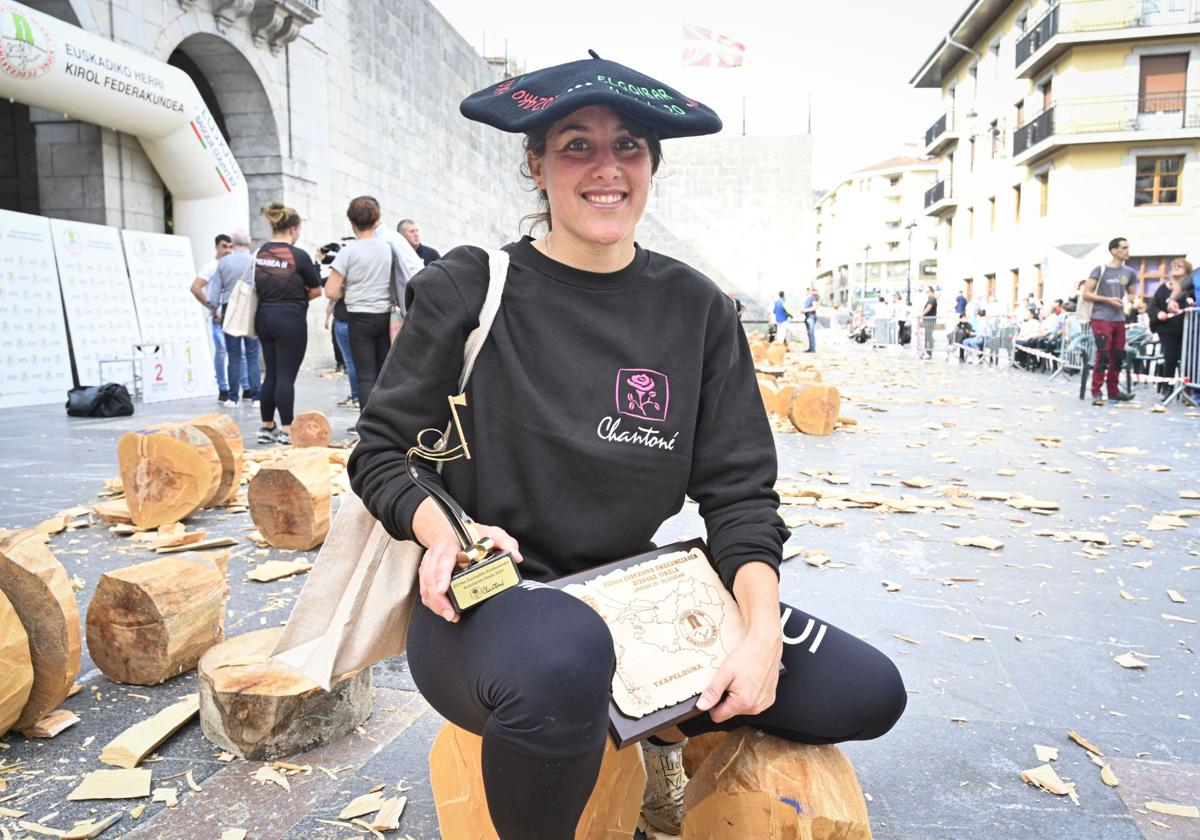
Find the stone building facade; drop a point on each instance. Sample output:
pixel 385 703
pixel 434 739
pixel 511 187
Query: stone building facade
pixel 318 101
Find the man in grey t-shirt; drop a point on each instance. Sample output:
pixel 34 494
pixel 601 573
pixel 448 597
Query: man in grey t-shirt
pixel 1105 288
pixel 241 350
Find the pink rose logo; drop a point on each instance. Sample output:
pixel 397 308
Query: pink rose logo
pixel 642 393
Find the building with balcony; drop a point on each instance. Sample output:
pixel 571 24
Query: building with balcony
pixel 1062 125
pixel 871 233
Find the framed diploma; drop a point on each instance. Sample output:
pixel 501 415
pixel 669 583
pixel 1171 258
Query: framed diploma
pixel 673 623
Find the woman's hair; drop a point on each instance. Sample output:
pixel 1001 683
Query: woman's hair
pixel 1187 266
pixel 535 145
pixel 280 217
pixel 363 212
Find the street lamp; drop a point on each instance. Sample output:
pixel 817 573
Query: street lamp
pixel 910 227
pixel 866 258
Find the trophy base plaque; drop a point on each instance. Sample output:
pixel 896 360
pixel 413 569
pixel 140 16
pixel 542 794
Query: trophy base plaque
pixel 482 580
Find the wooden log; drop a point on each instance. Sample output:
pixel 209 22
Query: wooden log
pixel 290 500
pixel 167 473
pixel 456 775
pixel 806 375
pixel 776 353
pixel 769 391
pixel 758 350
pixel 261 709
pixel 37 587
pixel 783 399
pixel 311 428
pixel 698 748
pixel 152 621
pixel 814 409
pixel 203 444
pixel 15 664
pixel 226 437
pixel 749 770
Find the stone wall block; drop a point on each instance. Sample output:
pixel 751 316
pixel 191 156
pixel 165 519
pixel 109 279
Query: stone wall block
pixel 76 159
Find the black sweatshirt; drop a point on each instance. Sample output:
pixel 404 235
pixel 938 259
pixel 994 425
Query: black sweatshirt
pixel 596 404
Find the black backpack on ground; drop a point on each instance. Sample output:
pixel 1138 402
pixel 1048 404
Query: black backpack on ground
pixel 109 400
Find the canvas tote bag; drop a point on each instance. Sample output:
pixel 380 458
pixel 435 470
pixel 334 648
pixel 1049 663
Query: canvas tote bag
pixel 243 305
pixel 355 606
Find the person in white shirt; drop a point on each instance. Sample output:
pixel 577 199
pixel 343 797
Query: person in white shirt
pixel 201 288
pixel 407 264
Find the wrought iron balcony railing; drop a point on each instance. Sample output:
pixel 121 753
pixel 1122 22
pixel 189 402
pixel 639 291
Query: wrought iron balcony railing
pixel 944 123
pixel 938 192
pixel 1073 16
pixel 1111 114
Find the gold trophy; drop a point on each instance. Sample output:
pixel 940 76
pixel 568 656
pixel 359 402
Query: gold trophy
pixel 485 571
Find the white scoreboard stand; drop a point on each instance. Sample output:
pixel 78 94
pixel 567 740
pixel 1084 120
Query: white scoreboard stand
pixel 35 362
pixel 95 291
pixel 174 355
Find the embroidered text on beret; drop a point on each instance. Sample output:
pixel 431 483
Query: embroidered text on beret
pixel 523 103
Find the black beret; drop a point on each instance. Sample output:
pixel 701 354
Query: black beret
pixel 536 99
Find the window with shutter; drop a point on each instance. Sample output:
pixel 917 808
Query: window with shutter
pixel 1163 83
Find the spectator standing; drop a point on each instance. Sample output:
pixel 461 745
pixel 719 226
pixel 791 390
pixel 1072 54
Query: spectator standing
pixel 200 291
pixel 810 318
pixel 1168 324
pixel 781 314
pixel 286 280
pixel 361 275
pixel 409 230
pixel 928 319
pixel 336 313
pixel 1104 288
pixel 960 303
pixel 241 351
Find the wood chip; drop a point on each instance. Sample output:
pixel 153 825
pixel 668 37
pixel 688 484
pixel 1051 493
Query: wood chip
pixel 1085 743
pixel 52 724
pixel 38 828
pixel 1178 618
pixel 989 543
pixel 973 637
pixel 1190 811
pixel 1176 597
pixel 91 828
pixel 388 818
pixel 1097 537
pixel 1129 660
pixel 920 482
pixel 276 569
pixel 270 774
pixel 112 784
pixel 891 586
pixel 368 803
pixel 133 745
pixel 233 834
pixel 167 795
pixel 1045 754
pixel 905 639
pixel 1108 776
pixel 1047 779
pixel 218 542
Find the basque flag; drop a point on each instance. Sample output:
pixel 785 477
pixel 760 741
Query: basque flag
pixel 705 48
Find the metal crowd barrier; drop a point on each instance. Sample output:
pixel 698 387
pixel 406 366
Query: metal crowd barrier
pixel 1189 357
pixel 1076 348
pixel 927 325
pixel 885 333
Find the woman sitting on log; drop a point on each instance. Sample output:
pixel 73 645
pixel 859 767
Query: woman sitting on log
pixel 584 306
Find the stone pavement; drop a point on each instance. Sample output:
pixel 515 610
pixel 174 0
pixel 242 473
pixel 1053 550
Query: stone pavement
pixel 1044 616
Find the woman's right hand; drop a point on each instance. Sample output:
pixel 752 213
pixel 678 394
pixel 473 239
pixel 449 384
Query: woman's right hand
pixel 444 557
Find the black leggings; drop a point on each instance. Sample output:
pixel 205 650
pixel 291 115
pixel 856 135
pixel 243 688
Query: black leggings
pixel 283 330
pixel 369 344
pixel 531 669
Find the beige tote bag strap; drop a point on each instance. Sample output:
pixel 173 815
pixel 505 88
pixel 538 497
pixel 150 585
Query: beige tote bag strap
pixel 497 274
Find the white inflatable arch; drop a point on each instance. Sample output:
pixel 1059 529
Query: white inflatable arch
pixel 53 65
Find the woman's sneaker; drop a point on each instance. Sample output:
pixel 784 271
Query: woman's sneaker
pixel 662 803
pixel 266 436
pixel 283 438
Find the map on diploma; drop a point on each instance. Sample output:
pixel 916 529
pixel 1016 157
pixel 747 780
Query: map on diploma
pixel 673 623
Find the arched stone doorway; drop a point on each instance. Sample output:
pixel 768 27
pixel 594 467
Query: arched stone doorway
pixel 235 95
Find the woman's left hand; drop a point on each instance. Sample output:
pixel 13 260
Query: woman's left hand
pixel 747 679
